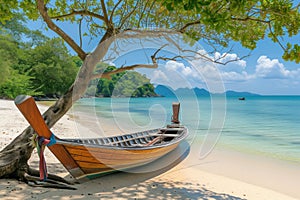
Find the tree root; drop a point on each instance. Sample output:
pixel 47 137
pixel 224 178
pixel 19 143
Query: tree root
pixel 53 181
pixel 36 173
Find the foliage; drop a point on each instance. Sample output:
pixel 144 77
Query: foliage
pixel 77 61
pixel 246 21
pixel 17 84
pixel 214 22
pixel 7 10
pixel 26 68
pixel 5 58
pixel 12 82
pixel 125 84
pixel 52 67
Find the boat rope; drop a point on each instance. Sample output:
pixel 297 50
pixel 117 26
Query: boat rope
pixel 154 141
pixel 40 143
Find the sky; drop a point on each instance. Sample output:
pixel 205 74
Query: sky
pixel 262 72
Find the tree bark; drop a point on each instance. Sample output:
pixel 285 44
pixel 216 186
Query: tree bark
pixel 14 157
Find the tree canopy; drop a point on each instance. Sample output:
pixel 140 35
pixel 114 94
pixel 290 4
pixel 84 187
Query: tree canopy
pixel 124 84
pixel 246 21
pixel 212 22
pixel 27 68
pixel 43 67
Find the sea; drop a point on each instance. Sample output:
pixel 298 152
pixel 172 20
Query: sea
pixel 263 125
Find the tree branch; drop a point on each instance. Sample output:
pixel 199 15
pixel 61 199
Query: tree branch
pixel 251 19
pixel 192 56
pixel 142 13
pixel 188 25
pixel 113 11
pixel 233 18
pixel 173 58
pixel 79 33
pixel 107 75
pixel 280 44
pixel 148 13
pixel 127 16
pixel 79 12
pixel 43 11
pixel 108 24
pixel 268 22
pixel 166 35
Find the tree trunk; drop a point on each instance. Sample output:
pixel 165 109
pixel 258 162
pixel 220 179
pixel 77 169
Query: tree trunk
pixel 14 157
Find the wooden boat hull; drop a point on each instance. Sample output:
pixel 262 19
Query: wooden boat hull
pixel 95 159
pixel 98 156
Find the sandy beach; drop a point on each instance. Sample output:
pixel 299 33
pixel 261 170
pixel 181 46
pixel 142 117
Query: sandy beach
pixel 223 174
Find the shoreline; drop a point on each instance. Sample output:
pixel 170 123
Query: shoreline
pixel 274 174
pixel 222 174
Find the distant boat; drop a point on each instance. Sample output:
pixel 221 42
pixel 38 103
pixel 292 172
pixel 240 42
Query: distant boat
pixel 90 158
pixel 242 98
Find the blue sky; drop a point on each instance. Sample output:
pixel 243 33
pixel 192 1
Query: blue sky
pixel 263 72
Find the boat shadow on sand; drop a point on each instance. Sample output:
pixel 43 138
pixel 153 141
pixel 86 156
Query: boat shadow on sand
pixel 139 183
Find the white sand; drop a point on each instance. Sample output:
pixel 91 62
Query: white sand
pixel 222 175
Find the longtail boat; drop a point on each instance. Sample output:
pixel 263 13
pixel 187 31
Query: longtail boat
pixel 90 158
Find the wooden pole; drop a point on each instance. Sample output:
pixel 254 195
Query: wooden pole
pixel 175 117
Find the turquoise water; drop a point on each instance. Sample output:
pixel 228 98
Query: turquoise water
pixel 268 125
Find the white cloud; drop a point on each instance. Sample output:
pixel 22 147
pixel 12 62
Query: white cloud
pixel 226 57
pixel 235 76
pixel 186 71
pixel 273 69
pixel 204 72
pixel 295 74
pixel 159 77
pixel 173 65
pixel 268 68
pixel 201 73
pixel 231 72
pixel 111 64
pixel 171 76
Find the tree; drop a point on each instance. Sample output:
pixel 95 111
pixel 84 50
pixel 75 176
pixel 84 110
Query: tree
pixel 12 81
pixel 245 21
pixel 5 59
pixel 213 22
pixel 52 67
pixel 133 84
pixel 125 84
pixel 44 69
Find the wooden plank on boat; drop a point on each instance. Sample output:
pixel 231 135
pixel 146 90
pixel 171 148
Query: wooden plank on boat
pixel 100 166
pixel 28 108
pixel 138 139
pixel 112 153
pixel 112 161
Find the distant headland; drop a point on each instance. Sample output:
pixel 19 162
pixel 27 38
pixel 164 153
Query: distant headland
pixel 165 91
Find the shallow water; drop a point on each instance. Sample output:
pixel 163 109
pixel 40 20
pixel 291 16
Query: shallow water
pixel 268 125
